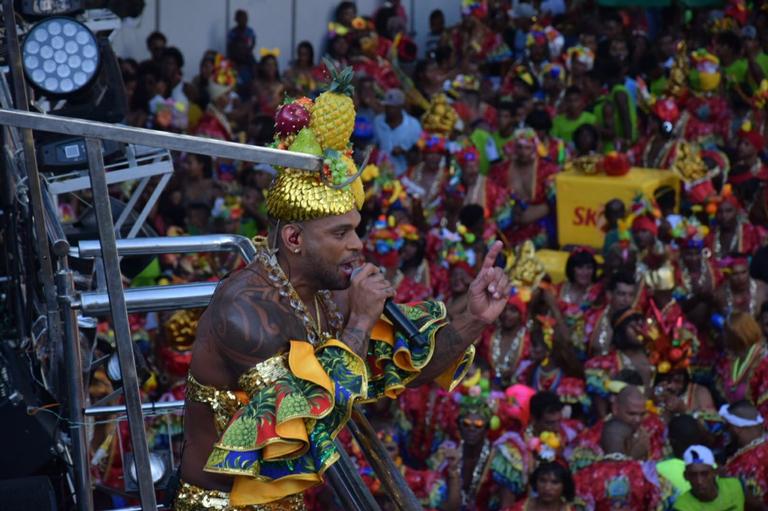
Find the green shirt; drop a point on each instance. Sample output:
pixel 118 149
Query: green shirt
pixel 618 126
pixel 564 128
pixel 737 71
pixel 762 61
pixel 730 497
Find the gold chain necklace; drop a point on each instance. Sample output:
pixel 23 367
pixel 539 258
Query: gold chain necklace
pixel 276 276
pixel 501 366
pixel 751 445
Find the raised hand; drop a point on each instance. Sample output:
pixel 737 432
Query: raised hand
pixel 489 291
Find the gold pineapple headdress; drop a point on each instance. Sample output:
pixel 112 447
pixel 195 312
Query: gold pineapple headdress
pixel 321 128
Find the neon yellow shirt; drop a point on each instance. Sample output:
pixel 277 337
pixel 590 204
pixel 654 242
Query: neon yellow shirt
pixel 730 497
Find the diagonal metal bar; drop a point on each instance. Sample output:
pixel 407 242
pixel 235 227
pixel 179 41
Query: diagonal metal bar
pixel 120 323
pixel 389 475
pixel 152 138
pixel 347 484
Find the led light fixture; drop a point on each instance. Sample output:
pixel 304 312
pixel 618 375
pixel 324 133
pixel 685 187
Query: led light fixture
pixel 60 56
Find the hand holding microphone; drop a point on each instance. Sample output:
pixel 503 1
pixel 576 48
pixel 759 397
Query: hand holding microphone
pixel 371 295
pixel 368 292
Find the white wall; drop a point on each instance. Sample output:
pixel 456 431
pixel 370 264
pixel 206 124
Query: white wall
pixel 197 25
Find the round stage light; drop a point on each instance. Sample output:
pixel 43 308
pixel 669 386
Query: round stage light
pixel 60 55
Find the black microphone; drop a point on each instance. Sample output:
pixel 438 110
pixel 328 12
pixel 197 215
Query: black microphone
pixel 393 313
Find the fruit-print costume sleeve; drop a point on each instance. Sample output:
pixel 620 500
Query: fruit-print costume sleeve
pixel 282 441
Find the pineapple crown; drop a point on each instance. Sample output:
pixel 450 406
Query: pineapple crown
pixel 341 80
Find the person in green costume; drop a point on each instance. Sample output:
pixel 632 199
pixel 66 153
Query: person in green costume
pixel 573 116
pixel 489 144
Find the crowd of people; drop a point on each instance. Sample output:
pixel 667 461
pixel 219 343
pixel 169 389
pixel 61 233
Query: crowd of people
pixel 639 381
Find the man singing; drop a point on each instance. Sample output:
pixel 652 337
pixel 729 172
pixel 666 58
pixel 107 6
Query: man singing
pixel 292 341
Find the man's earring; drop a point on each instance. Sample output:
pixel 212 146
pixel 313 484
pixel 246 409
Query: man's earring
pixel 296 251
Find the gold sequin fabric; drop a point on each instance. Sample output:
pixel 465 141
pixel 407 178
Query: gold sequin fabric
pixel 297 195
pixel 264 374
pixel 224 403
pixel 194 498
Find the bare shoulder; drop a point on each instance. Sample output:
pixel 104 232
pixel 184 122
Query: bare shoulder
pixel 247 321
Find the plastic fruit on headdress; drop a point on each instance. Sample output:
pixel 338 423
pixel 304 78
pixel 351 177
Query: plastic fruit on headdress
pixel 290 119
pixel 333 116
pixel 440 117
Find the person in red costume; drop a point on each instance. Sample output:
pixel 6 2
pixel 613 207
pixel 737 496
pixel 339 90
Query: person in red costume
pixel 657 150
pixel 384 245
pixel 748 165
pixel 616 480
pixel 695 271
pixel 732 233
pixel 545 439
pixel 529 177
pixel 580 293
pixel 620 294
pixel 628 406
pixel 743 371
pixel 506 344
pixel 628 351
pixel 479 189
pixel 741 292
pixel 750 462
pixel 214 123
pixel 551 487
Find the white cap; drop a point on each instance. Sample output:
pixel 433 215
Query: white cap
pixel 699 454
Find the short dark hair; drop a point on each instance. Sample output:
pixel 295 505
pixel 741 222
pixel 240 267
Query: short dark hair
pixel 540 120
pixel 560 472
pixel 580 258
pixel 174 53
pixel 434 14
pixel 621 277
pixel 342 6
pixel 156 36
pixel 543 402
pixel 683 431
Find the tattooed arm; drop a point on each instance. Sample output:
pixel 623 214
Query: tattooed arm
pixel 251 324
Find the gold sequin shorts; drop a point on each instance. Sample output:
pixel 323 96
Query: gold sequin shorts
pixel 194 498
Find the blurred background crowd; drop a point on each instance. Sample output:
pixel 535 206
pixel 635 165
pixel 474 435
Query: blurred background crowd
pixel 619 153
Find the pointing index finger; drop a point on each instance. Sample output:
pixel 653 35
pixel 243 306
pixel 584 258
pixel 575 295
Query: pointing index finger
pixel 493 253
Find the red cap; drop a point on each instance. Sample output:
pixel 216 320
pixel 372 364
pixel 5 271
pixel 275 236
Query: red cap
pixel 467 154
pixel 645 223
pixel 754 138
pixel 666 109
pixel 518 303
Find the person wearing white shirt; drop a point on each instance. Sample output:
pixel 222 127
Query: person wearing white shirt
pixel 395 131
